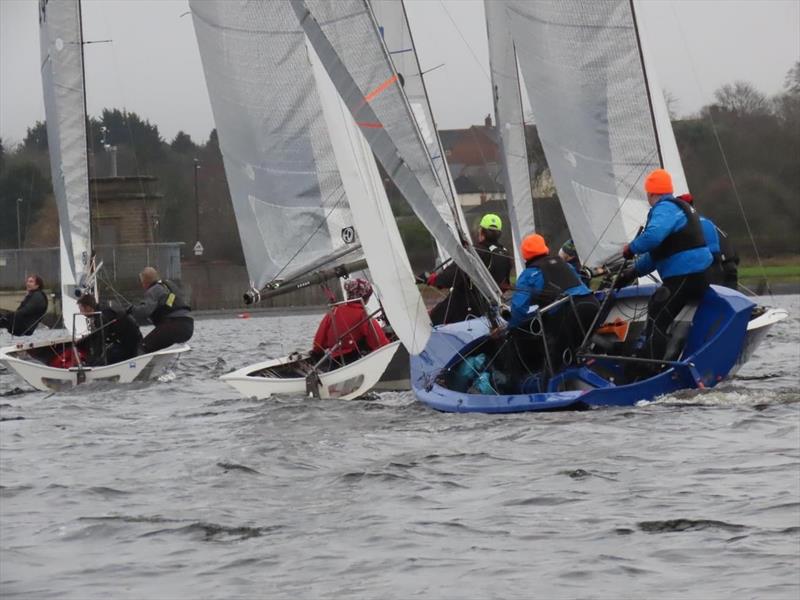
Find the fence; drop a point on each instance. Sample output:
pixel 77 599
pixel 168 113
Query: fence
pixel 121 264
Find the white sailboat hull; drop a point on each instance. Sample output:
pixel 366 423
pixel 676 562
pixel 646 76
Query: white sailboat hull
pixel 47 378
pixel 265 379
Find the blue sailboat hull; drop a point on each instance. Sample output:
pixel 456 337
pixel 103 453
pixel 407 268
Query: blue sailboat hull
pixel 713 346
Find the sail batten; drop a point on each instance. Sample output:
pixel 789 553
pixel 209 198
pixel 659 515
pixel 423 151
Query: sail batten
pixel 61 43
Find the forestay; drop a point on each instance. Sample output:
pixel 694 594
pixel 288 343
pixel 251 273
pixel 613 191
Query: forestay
pixel 510 126
pixel 65 110
pixel 348 43
pixel 388 263
pixel 288 198
pixel 394 28
pixel 583 71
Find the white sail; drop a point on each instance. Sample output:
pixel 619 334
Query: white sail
pixel 362 72
pixel 394 28
pixel 290 206
pixel 582 68
pixel 388 263
pixel 65 109
pixel 510 126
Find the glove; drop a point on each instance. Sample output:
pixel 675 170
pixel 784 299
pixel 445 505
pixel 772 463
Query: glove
pixel 505 312
pixel 627 277
pixel 422 277
pixel 627 253
pixel 586 273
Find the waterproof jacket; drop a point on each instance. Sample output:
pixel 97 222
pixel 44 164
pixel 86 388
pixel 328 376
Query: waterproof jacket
pixel 364 334
pixel 465 299
pixel 666 222
pixel 544 280
pixel 162 300
pixel 25 319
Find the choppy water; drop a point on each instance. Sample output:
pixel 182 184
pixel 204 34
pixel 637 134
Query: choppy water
pixel 185 490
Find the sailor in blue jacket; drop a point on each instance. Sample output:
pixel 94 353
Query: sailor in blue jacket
pixel 723 269
pixel 544 280
pixel 673 244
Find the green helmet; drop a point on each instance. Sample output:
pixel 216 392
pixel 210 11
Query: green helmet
pixel 491 221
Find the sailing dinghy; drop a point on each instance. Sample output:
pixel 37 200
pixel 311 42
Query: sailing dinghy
pixel 65 108
pixel 604 125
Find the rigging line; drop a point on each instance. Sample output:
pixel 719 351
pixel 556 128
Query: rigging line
pixel 714 129
pixel 466 43
pixel 644 166
pixel 324 221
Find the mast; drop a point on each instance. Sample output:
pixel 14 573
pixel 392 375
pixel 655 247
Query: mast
pixel 646 84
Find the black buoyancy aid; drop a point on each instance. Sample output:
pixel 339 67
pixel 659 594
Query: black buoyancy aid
pixel 558 277
pixel 497 260
pixel 170 303
pixel 686 238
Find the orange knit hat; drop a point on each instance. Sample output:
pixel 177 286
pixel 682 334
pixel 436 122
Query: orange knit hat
pixel 533 245
pixel 658 182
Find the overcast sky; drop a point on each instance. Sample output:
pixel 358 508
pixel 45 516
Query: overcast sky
pixel 153 68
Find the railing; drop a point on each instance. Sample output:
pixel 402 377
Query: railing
pixel 121 263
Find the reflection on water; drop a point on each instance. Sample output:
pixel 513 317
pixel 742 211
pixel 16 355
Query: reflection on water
pixel 183 489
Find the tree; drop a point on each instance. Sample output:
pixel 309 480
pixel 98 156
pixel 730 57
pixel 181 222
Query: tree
pixel 36 137
pixel 671 100
pixel 792 82
pixel 183 144
pixel 23 181
pixel 742 99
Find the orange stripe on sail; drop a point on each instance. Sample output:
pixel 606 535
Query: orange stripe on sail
pixel 380 89
pixel 369 125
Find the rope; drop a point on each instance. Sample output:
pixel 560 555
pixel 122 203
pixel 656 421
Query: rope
pixel 724 157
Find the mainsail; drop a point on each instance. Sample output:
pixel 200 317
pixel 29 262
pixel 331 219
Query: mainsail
pixel 510 126
pixel 348 43
pixel 288 198
pixel 584 73
pixel 61 44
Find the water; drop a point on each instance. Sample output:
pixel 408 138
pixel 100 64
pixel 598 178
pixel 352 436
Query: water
pixel 183 489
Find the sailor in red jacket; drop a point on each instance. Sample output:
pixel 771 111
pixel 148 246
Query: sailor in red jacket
pixel 346 331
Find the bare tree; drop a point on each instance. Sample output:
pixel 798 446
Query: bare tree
pixel 742 98
pixel 671 100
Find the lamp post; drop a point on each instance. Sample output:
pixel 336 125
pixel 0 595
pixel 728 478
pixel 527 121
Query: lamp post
pixel 19 230
pixel 198 247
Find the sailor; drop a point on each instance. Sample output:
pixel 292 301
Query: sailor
pixel 30 311
pixel 346 332
pixel 724 269
pixel 544 280
pixel 115 335
pixel 165 307
pixel 464 300
pixel 672 243
pixel 569 255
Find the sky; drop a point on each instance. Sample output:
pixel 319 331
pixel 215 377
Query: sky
pixel 152 66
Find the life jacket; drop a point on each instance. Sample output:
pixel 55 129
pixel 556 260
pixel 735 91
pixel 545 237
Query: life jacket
pixel 688 237
pixel 558 277
pixel 497 260
pixel 168 304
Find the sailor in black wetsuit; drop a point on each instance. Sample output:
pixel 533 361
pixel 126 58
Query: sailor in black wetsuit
pixel 114 336
pixel 464 300
pixel 167 310
pixel 30 311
